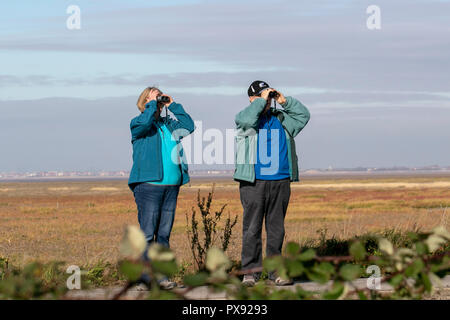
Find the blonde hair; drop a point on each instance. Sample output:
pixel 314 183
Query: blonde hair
pixel 141 100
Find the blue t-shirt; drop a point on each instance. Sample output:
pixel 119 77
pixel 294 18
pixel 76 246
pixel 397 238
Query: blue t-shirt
pixel 271 138
pixel 171 167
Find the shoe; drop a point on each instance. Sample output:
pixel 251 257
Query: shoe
pixel 141 287
pixel 283 282
pixel 249 280
pixel 279 281
pixel 166 284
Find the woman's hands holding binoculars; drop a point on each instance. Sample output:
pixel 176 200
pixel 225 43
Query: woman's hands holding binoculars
pixel 160 98
pixel 164 99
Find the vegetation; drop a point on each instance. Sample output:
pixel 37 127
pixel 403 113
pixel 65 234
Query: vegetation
pixel 409 262
pixel 410 271
pixel 204 237
pixel 82 224
pixel 36 280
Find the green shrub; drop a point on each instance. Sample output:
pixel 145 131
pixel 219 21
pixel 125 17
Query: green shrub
pixel 210 233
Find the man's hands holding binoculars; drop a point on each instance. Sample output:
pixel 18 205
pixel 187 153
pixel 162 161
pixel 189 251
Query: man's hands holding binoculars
pixel 272 93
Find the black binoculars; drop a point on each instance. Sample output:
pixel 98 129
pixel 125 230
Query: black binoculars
pixel 273 94
pixel 163 99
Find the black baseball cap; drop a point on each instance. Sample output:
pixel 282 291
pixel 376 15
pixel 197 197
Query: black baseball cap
pixel 257 87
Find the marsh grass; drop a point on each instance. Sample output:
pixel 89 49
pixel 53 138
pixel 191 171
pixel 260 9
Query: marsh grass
pixel 67 221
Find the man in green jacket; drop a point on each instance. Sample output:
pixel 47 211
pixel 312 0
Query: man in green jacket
pixel 266 163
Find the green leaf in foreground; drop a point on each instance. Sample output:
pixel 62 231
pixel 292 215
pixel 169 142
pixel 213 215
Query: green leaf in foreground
pixel 426 282
pixel 162 295
pixel 292 248
pixel 307 255
pixel 167 268
pixel 196 280
pixel 320 273
pixel 396 280
pixel 295 268
pixel 273 263
pixel 421 248
pixel 350 272
pixel 414 268
pixel 361 295
pixel 357 250
pixel 336 291
pixel 131 270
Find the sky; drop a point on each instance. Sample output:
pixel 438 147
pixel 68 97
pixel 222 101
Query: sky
pixel 377 98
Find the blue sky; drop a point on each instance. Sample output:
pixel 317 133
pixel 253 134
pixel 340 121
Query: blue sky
pixel 377 97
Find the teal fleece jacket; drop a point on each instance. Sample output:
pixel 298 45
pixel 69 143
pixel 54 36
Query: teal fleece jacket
pixel 293 117
pixel 146 141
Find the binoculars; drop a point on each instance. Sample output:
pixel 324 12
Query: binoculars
pixel 163 99
pixel 273 94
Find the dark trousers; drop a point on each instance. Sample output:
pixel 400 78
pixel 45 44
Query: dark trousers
pixel 156 210
pixel 267 199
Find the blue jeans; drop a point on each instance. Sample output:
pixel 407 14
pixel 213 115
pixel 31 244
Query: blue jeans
pixel 156 206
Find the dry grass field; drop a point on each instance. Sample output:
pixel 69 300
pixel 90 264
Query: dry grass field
pixel 81 222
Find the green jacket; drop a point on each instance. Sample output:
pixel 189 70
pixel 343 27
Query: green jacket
pixel 293 118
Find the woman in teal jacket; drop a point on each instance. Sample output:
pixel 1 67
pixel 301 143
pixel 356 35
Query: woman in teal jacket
pixel 159 166
pixel 147 155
